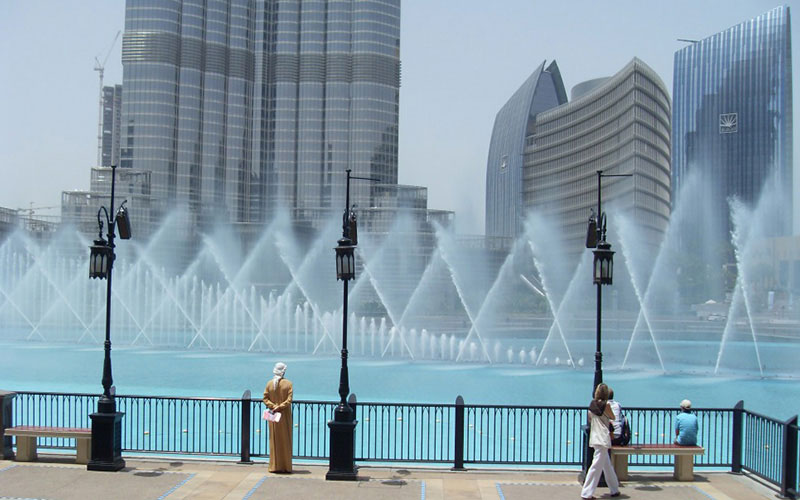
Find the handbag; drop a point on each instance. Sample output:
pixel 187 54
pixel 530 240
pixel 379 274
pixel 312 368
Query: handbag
pixel 598 434
pixel 269 416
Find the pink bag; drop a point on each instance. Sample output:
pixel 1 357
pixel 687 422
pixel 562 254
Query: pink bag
pixel 271 417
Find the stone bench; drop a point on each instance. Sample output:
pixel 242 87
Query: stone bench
pixel 684 458
pixel 27 434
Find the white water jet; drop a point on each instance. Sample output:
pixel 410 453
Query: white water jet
pixel 640 297
pixel 743 241
pixel 550 294
pixel 222 300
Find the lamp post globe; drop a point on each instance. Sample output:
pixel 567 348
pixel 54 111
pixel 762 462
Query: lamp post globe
pixel 603 264
pixel 345 260
pixel 100 259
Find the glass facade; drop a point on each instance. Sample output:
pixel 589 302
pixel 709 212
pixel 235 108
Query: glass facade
pixel 732 114
pixel 239 107
pixel 619 125
pixel 112 113
pixel 515 121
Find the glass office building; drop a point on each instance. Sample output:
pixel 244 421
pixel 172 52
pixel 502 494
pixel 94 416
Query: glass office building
pixel 516 120
pixel 732 116
pixel 619 125
pixel 238 107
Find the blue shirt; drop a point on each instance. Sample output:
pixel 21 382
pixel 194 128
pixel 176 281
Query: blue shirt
pixel 686 425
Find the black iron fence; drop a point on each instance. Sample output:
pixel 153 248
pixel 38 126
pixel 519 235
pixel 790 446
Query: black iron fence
pixel 769 450
pixel 454 434
pixel 522 435
pixel 391 432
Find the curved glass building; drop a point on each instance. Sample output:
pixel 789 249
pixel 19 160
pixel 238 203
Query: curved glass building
pixel 619 125
pixel 238 107
pixel 516 120
pixel 732 115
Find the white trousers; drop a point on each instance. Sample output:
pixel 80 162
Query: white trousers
pixel 601 464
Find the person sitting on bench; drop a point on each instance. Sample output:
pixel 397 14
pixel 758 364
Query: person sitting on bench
pixel 686 425
pixel 622 430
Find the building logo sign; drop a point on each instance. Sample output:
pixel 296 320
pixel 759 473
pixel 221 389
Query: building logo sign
pixel 728 123
pixel 503 163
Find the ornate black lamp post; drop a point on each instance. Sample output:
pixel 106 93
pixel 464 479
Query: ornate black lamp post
pixel 342 465
pixel 602 274
pixel 107 422
pixel 602 270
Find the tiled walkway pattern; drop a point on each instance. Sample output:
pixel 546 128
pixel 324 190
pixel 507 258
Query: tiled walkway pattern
pixel 154 479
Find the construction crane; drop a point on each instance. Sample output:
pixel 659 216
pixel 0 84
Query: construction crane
pixel 100 67
pixel 31 210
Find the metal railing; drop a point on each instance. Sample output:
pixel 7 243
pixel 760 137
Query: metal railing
pixel 205 426
pixel 391 432
pixel 523 435
pixel 770 451
pixel 455 434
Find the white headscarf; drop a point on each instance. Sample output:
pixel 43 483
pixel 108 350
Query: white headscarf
pixel 278 370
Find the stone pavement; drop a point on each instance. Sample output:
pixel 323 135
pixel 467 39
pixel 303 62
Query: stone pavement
pixel 56 478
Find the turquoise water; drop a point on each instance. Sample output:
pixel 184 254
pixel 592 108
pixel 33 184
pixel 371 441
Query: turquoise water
pixel 33 366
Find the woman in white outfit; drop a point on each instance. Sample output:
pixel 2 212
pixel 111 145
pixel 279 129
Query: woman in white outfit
pixel 600 414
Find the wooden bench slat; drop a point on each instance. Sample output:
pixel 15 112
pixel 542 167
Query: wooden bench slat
pixel 65 432
pixel 46 429
pixel 650 447
pixel 657 450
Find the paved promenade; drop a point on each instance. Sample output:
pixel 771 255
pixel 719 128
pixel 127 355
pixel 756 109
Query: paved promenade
pixel 55 478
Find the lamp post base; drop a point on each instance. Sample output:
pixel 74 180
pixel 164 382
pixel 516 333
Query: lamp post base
pixel 106 442
pixel 342 453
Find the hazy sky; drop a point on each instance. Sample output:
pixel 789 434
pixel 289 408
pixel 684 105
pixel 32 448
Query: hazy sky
pixel 461 61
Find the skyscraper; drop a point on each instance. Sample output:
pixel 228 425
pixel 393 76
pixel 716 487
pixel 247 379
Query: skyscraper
pixel 514 122
pixel 732 116
pixel 619 125
pixel 112 112
pixel 239 107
